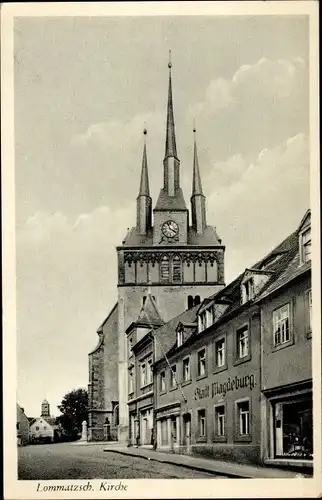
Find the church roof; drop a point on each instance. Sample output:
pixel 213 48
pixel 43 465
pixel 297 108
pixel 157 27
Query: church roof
pixel 149 312
pixel 208 238
pixel 166 202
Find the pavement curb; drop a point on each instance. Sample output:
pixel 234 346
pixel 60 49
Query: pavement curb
pixel 193 467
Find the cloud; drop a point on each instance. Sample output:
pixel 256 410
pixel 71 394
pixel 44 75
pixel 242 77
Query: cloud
pixel 259 106
pixel 271 194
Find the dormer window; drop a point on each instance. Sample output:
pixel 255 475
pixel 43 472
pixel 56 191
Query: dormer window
pixel 305 243
pixel 249 289
pixel 205 319
pixel 179 337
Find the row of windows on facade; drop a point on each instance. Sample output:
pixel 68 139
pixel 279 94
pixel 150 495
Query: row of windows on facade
pixel 242 421
pixel 172 271
pixel 281 321
pixel 281 335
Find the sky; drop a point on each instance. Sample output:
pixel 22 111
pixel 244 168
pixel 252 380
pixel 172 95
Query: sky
pixel 85 88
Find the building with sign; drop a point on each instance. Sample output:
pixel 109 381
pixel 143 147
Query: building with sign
pixel 179 254
pixel 286 309
pixel 224 385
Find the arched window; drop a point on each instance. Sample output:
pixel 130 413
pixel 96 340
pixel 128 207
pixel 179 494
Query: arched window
pixel 176 269
pixel 197 300
pixel 190 301
pixel 165 269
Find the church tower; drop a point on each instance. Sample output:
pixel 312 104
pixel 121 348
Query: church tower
pixel 181 263
pixel 45 409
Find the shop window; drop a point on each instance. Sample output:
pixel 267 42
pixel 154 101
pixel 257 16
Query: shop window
pixel 305 243
pixel 176 270
pixel 293 429
pixel 220 353
pixel 243 343
pixel 149 372
pixel 281 325
pixel 179 337
pixel 143 373
pixel 243 418
pixel 162 381
pixel 186 369
pixel 220 421
pixel 202 423
pixel 131 381
pixel 173 374
pixel 201 363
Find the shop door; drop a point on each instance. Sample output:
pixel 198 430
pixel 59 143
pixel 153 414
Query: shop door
pixel 187 429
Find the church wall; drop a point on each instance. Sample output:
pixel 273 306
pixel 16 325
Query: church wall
pixel 110 363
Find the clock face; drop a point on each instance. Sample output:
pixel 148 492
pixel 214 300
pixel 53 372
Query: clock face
pixel 170 229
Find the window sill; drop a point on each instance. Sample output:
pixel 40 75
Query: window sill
pixel 286 462
pixel 201 439
pixel 186 382
pixel 173 388
pixel 240 361
pixel 243 439
pixel 282 346
pixel 146 385
pixel 200 377
pixel 219 369
pixel 162 392
pixel 219 439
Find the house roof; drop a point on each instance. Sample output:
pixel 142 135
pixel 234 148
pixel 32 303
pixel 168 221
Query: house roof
pixel 279 272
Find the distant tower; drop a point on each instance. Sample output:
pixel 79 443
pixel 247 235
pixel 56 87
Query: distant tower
pixel 45 409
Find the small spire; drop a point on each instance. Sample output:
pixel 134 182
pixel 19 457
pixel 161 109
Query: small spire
pixel 144 184
pixel 196 180
pixel 170 147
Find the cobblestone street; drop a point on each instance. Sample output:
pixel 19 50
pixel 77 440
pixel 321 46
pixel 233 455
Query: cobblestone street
pixel 69 461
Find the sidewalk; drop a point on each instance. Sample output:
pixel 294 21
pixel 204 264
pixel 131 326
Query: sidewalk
pixel 217 467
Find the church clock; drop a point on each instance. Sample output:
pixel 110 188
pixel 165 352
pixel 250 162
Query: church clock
pixel 170 229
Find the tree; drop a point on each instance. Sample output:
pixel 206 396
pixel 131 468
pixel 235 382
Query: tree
pixel 74 410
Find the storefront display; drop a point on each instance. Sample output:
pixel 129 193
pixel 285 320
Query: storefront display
pixel 293 428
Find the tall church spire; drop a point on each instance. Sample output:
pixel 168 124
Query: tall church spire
pixel 170 145
pixel 144 201
pixel 144 184
pixel 171 162
pixel 198 200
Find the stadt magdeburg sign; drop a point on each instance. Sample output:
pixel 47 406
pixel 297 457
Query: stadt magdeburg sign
pixel 232 384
